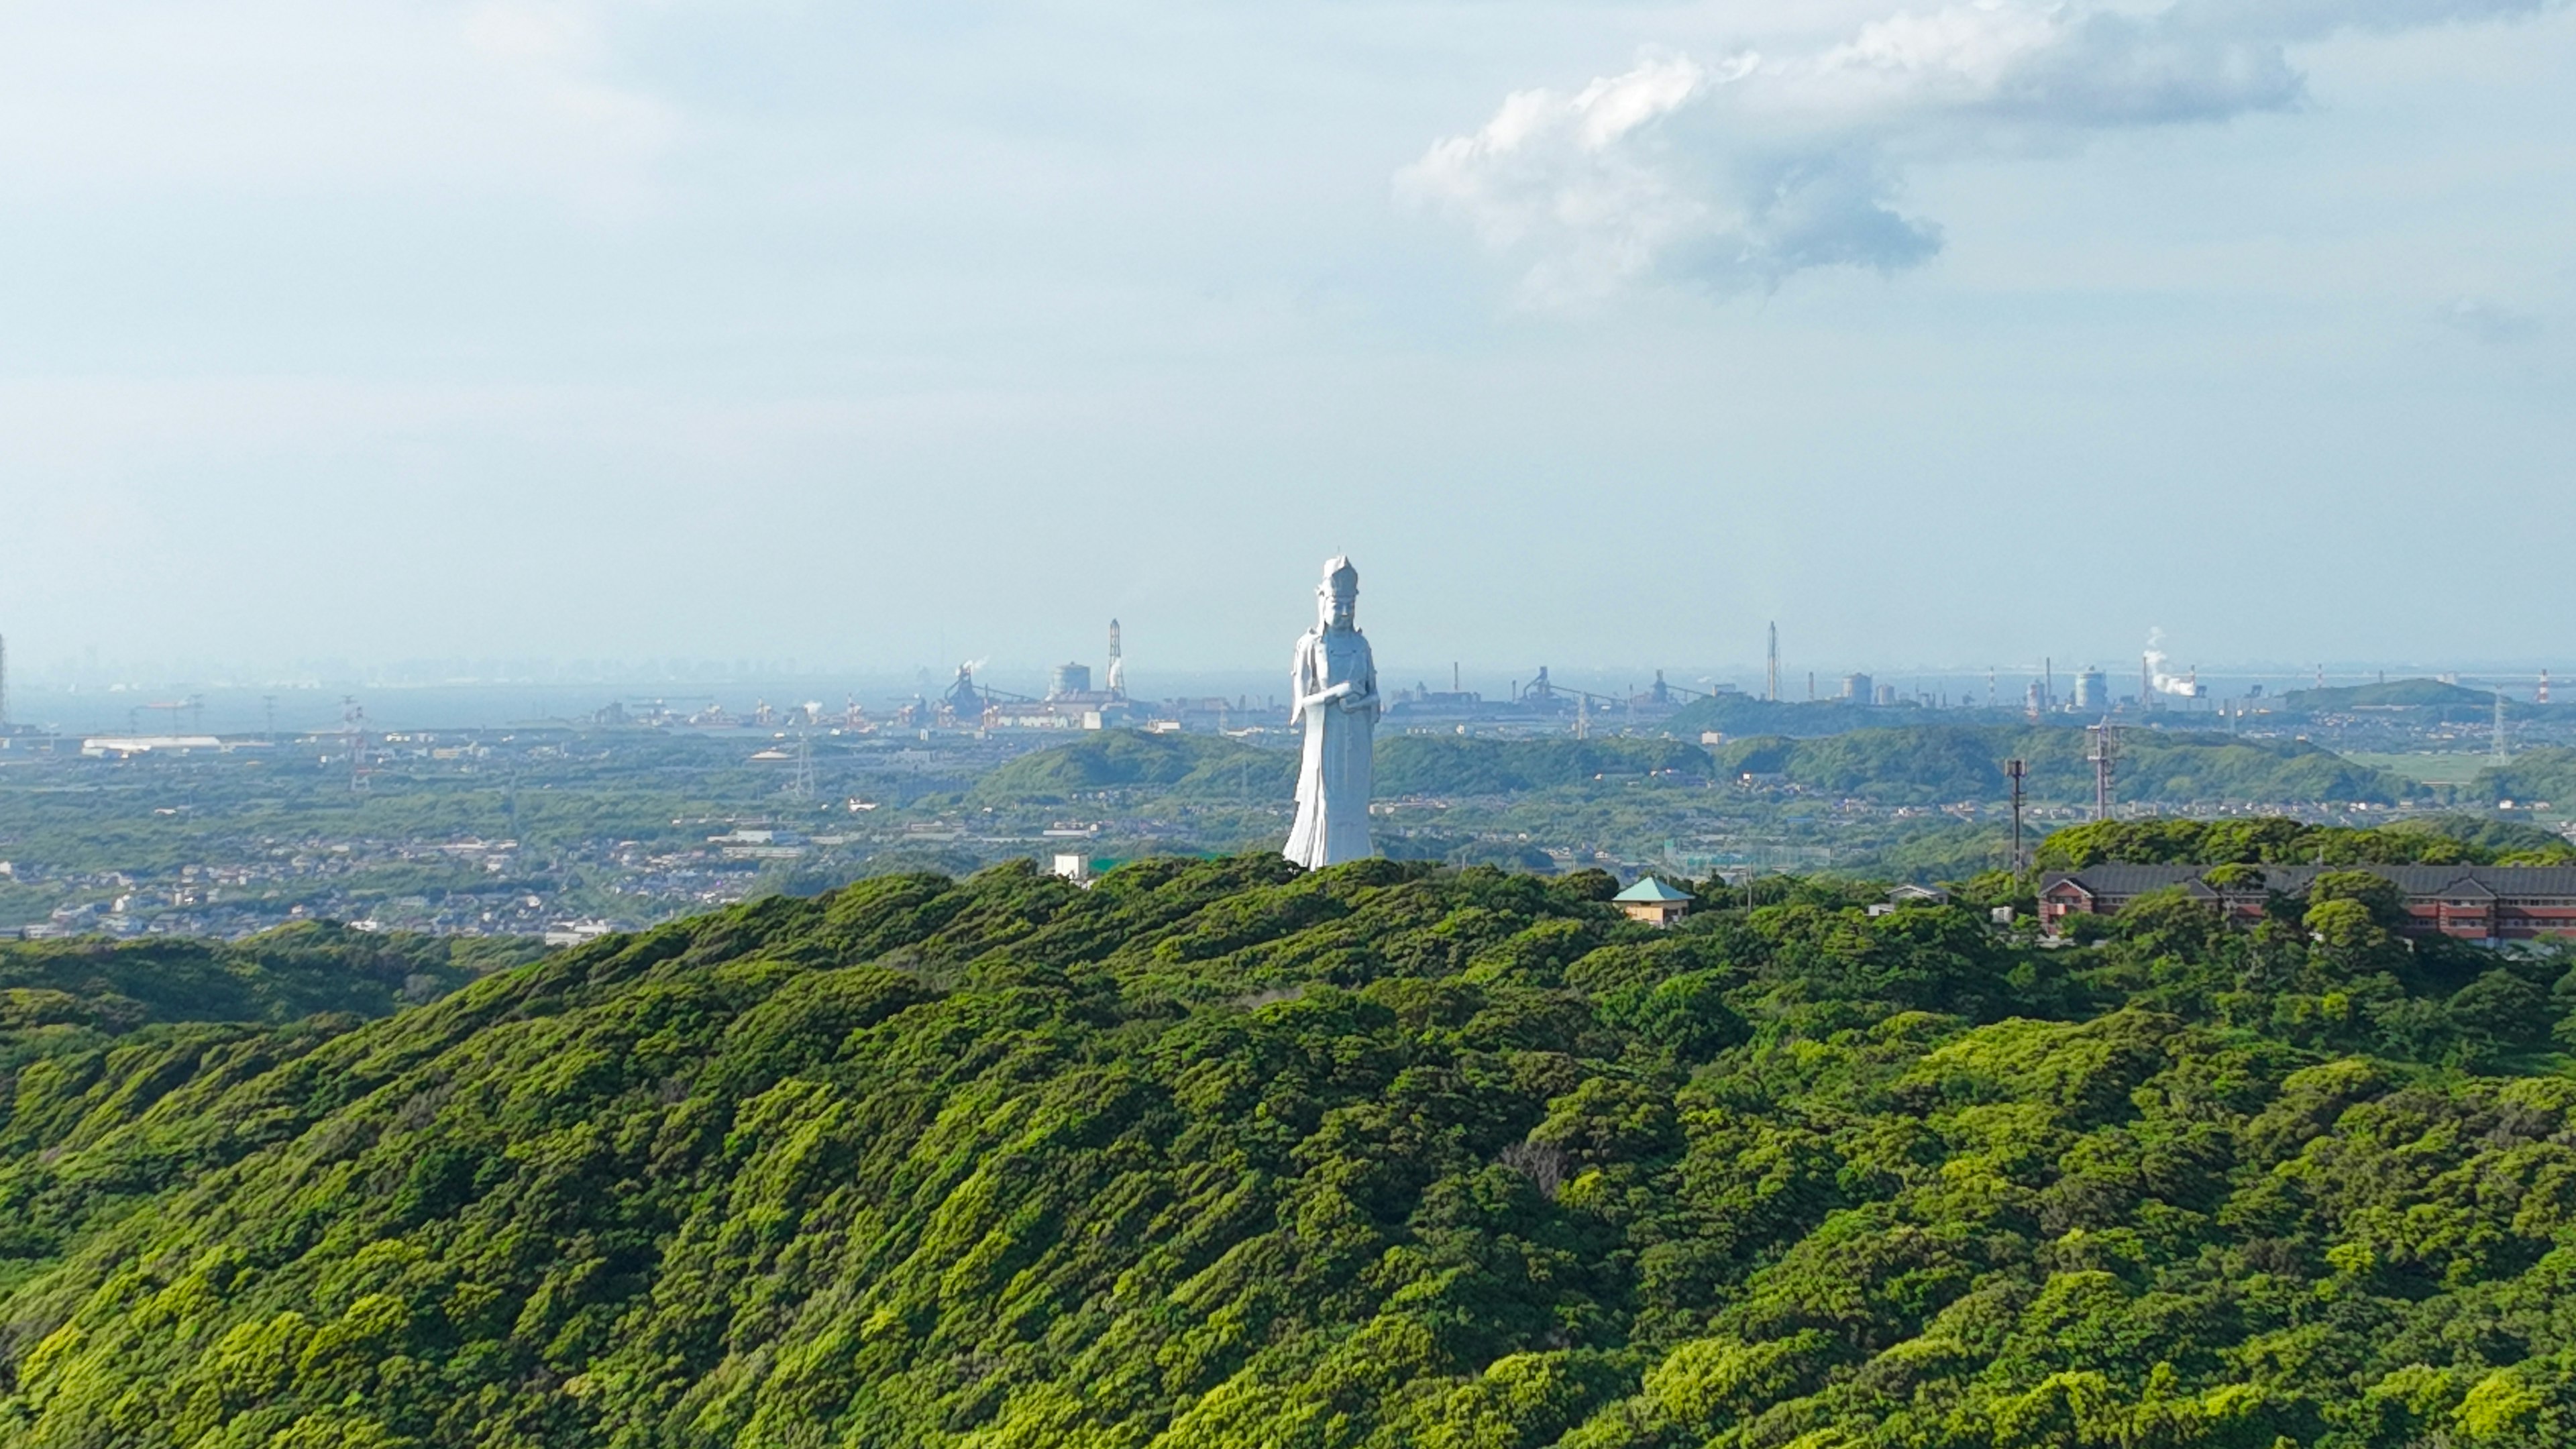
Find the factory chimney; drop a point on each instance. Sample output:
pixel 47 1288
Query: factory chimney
pixel 1771 677
pixel 1117 682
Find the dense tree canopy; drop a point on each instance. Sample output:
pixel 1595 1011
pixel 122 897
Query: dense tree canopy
pixel 1221 1153
pixel 1213 767
pixel 1931 763
pixel 2278 840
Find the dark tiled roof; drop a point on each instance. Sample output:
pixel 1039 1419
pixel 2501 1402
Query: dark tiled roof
pixel 2125 880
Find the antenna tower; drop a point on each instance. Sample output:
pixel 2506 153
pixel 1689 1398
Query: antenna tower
pixel 802 787
pixel 2106 750
pixel 354 716
pixel 1771 686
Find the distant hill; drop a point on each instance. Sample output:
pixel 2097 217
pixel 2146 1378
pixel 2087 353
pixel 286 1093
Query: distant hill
pixel 1135 760
pixel 2395 694
pixel 1916 764
pixel 1933 764
pixel 1922 765
pixel 2545 773
pixel 1462 765
pixel 1211 767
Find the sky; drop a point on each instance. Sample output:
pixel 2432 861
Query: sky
pixel 887 336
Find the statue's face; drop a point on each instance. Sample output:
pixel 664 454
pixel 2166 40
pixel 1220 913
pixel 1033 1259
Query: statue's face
pixel 1340 605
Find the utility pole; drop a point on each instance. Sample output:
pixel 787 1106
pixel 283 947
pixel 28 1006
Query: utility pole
pixel 2106 749
pixel 2014 770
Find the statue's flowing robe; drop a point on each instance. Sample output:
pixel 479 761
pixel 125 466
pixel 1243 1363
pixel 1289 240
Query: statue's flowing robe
pixel 1333 784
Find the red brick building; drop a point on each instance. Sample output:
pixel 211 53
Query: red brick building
pixel 2491 903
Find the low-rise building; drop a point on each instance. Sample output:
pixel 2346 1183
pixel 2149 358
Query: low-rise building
pixel 2492 903
pixel 1653 902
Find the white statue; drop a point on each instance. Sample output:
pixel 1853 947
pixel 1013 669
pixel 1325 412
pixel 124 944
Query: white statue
pixel 1334 683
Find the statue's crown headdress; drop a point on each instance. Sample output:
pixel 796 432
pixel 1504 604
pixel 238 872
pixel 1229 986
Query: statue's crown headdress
pixel 1338 573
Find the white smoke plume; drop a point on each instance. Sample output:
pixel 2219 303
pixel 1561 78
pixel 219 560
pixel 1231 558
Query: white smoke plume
pixel 1737 173
pixel 2180 685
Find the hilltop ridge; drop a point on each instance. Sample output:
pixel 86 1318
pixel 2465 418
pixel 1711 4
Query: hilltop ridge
pixel 1220 1153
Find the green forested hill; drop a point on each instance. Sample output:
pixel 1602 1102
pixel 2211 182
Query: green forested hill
pixel 1914 764
pixel 1926 764
pixel 2273 840
pixel 271 977
pixel 1218 1153
pixel 1135 760
pixel 1210 767
pixel 1458 765
pixel 2546 773
pixel 2391 694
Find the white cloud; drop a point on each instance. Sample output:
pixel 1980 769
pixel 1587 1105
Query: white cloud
pixel 1736 174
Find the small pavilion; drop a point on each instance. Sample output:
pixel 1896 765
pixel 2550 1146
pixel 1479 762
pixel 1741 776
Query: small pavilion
pixel 1653 902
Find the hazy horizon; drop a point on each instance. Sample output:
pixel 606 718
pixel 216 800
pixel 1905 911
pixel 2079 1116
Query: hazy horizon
pixel 307 702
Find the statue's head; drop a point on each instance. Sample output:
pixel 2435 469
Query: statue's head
pixel 1337 598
